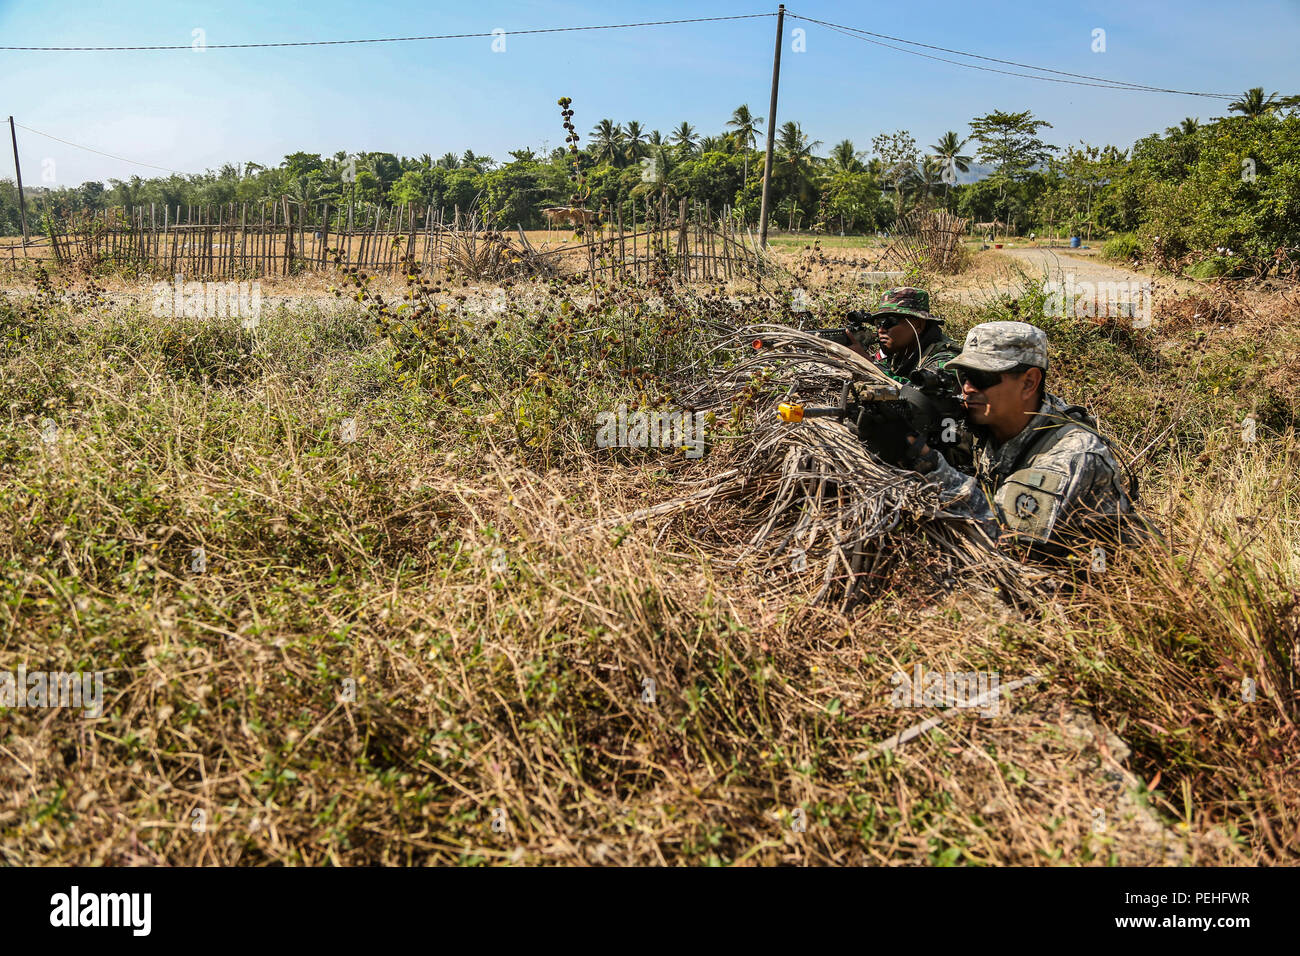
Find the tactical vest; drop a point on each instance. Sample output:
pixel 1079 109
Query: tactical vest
pixel 1027 499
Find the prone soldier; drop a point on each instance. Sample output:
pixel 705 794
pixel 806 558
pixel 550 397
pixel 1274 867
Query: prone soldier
pixel 1044 477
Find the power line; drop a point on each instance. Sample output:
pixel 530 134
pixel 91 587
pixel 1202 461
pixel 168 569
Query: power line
pixel 443 36
pixel 91 149
pixel 1101 81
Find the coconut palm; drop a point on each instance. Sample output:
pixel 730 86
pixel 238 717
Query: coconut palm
pixel 1253 104
pixel 746 126
pixel 684 138
pixel 925 178
pixel 796 160
pixel 479 164
pixel 845 159
pixel 634 140
pixel 713 144
pixel 948 149
pixel 656 138
pixel 607 142
pixel 655 178
pixel 303 191
pixel 948 153
pixel 449 161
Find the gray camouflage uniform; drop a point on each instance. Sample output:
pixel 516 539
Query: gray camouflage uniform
pixel 1057 481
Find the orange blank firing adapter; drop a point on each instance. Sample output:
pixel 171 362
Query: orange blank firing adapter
pixel 790 412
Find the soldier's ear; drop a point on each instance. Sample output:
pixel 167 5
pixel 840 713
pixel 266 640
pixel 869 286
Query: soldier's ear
pixel 1032 379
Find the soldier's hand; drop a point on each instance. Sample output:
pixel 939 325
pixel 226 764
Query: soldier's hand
pixel 884 430
pixel 855 345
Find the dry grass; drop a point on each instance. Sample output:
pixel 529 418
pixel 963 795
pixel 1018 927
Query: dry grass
pixel 463 563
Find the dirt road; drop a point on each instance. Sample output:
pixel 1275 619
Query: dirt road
pixel 1006 270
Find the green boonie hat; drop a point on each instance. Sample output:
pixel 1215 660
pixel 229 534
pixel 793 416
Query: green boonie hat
pixel 906 301
pixel 1001 346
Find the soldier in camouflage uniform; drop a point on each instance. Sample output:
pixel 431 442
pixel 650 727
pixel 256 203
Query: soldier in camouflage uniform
pixel 914 350
pixel 1043 475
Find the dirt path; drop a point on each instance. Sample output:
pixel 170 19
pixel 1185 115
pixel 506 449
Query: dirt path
pixel 1006 270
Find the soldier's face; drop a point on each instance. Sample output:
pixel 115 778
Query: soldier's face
pixel 896 338
pixel 1003 406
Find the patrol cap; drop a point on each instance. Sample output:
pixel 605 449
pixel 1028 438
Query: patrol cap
pixel 1001 346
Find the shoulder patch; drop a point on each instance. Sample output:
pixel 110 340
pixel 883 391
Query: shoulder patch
pixel 1048 481
pixel 1030 501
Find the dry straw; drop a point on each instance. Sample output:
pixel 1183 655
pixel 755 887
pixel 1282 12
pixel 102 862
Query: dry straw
pixel 812 499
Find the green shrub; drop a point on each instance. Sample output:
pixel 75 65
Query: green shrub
pixel 1124 247
pixel 1210 268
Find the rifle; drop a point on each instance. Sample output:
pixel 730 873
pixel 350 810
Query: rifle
pixel 857 322
pixel 922 403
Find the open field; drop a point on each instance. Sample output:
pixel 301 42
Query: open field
pixel 420 632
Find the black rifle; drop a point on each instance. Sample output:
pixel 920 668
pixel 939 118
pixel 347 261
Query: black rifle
pixel 928 404
pixel 857 322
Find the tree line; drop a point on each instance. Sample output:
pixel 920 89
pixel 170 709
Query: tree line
pixel 1232 182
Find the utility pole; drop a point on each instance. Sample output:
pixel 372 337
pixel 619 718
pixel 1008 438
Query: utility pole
pixel 771 129
pixel 22 201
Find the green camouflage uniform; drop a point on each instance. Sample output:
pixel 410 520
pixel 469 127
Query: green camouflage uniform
pixel 947 433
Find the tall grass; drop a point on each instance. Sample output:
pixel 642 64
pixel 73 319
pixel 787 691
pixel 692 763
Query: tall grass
pixel 424 646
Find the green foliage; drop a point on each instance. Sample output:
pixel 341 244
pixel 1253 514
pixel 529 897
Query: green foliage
pixel 1230 183
pixel 1122 248
pixel 1241 192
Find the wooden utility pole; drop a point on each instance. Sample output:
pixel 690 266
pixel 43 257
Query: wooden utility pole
pixel 22 200
pixel 771 129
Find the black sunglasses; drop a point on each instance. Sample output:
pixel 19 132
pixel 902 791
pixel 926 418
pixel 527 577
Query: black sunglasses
pixel 979 380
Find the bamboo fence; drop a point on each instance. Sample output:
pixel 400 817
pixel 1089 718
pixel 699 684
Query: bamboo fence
pixel 684 239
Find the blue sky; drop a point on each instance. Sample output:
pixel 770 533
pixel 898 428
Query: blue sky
pixel 193 111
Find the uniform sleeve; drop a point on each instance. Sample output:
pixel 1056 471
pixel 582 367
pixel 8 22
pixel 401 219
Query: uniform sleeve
pixel 963 497
pixel 1069 491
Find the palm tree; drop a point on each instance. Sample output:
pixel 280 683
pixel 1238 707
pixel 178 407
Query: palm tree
pixel 1189 126
pixel 948 149
pixel 746 126
pixel 713 144
pixel 948 152
pixel 634 140
pixel 658 172
pixel 477 163
pixel 684 137
pixel 607 142
pixel 924 179
pixel 845 159
pixel 1253 103
pixel 449 161
pixel 656 138
pixel 303 191
pixel 796 160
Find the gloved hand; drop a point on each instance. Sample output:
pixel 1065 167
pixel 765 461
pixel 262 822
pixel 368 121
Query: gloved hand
pixel 885 430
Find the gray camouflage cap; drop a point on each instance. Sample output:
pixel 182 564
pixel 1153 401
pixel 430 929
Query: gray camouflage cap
pixel 1001 346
